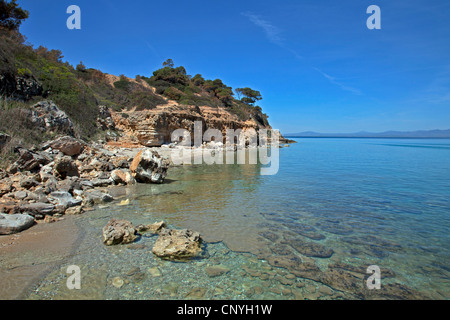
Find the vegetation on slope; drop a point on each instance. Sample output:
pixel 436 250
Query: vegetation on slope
pixel 79 91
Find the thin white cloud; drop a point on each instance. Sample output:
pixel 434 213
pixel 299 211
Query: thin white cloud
pixel 273 34
pixel 335 82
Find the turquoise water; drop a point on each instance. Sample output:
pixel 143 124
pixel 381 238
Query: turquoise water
pixel 335 207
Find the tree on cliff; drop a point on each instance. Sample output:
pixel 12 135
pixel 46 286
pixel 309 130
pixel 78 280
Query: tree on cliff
pixel 11 15
pixel 250 95
pixel 168 63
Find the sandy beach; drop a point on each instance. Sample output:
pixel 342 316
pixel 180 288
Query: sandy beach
pixel 29 255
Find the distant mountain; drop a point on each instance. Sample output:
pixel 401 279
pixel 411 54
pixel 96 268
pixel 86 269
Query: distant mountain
pixel 363 134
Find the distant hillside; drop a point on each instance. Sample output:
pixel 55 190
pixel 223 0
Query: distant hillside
pixel 386 134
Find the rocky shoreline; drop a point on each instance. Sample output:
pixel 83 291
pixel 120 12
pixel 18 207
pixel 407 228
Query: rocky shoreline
pixel 67 176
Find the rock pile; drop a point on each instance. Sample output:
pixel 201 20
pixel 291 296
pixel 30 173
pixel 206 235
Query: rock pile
pixel 66 175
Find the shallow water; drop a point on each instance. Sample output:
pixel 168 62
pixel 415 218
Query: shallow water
pixel 339 205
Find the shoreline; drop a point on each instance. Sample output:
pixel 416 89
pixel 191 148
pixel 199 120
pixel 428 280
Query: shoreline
pixel 27 257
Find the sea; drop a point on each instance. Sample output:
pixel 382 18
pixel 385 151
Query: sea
pixel 343 219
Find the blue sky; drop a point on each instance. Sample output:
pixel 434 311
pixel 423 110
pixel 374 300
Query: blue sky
pixel 317 65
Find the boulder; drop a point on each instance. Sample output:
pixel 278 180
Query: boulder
pixel 29 161
pixel 67 145
pixel 93 197
pixel 65 167
pixel 149 167
pixel 37 209
pixel 177 244
pixel 63 199
pixel 118 232
pixel 13 223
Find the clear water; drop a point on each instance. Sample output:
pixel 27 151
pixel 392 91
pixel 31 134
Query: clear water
pixel 382 202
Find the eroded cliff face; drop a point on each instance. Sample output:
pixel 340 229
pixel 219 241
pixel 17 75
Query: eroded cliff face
pixel 153 128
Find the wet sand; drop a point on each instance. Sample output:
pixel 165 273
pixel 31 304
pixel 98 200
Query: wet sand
pixel 28 256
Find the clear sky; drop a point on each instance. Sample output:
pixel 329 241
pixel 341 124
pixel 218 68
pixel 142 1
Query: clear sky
pixel 317 65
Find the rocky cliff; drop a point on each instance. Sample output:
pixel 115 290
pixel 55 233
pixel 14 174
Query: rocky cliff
pixel 153 128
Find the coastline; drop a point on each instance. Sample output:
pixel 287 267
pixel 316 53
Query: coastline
pixel 286 233
pixel 28 256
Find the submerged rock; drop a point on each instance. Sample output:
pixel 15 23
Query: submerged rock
pixel 118 232
pixel 216 271
pixel 177 244
pixel 14 223
pixel 153 228
pixel 309 249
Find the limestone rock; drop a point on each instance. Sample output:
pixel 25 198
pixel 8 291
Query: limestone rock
pixel 118 232
pixel 149 167
pixel 29 161
pixel 104 120
pixel 122 177
pixel 153 228
pixel 177 244
pixel 14 223
pixel 67 145
pixel 63 199
pixel 50 118
pixel 65 167
pixel 93 197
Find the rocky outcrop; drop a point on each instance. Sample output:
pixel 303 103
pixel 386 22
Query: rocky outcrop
pixel 104 119
pixel 119 232
pixel 149 167
pixel 19 88
pixel 153 128
pixel 177 244
pixel 48 117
